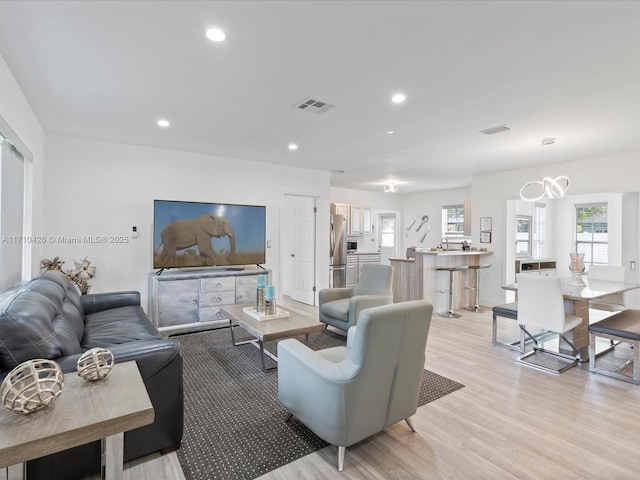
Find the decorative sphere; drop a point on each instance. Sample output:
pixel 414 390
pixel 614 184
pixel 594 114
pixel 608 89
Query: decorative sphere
pixel 95 364
pixel 32 386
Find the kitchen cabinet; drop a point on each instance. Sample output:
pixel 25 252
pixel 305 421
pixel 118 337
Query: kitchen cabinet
pixel 366 220
pixel 358 217
pixel 341 209
pixel 355 263
pixel 355 224
pixel 351 273
pixel 189 301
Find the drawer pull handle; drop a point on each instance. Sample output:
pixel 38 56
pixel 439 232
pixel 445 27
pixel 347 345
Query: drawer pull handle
pixel 218 299
pixel 195 301
pixel 239 298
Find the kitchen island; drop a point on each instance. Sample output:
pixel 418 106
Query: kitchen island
pixel 417 279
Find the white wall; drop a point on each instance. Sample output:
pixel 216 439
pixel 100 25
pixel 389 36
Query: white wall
pixel 19 123
pixel 416 205
pixel 99 188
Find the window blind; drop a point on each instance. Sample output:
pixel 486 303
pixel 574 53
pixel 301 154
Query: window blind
pixel 539 231
pixel 12 177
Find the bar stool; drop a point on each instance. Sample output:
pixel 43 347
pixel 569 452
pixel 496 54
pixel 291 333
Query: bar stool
pixel 476 288
pixel 460 268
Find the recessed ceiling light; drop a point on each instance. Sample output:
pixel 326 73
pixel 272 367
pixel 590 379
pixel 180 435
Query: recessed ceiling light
pixel 398 98
pixel 163 123
pixel 390 132
pixel 293 146
pixel 216 35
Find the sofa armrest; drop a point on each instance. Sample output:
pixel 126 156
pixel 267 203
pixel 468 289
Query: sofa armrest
pixel 330 294
pixel 351 334
pixel 104 301
pixel 150 355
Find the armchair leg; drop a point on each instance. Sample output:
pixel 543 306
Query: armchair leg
pixel 410 423
pixel 341 452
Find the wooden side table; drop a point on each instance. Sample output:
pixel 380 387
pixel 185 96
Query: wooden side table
pixel 84 412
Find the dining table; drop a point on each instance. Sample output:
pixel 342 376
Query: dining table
pixel 576 302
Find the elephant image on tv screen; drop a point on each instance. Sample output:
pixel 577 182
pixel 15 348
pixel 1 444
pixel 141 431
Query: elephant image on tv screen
pixel 185 239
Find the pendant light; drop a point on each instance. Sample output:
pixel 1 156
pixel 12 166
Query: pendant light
pixel 390 187
pixel 550 187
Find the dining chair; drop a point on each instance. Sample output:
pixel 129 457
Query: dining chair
pixel 541 305
pixel 610 303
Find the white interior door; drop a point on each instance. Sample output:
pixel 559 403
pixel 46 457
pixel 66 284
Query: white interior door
pixel 302 255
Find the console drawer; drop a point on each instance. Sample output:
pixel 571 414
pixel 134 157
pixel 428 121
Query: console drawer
pixel 215 285
pixel 209 314
pixel 213 299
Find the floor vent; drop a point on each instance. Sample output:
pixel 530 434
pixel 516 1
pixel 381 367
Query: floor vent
pixel 312 105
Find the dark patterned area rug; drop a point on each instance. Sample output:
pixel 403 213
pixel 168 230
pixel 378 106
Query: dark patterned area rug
pixel 234 424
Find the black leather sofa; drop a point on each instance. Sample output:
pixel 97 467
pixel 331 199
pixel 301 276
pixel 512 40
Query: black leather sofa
pixel 47 318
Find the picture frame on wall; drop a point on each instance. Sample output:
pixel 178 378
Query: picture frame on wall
pixel 485 224
pixel 485 237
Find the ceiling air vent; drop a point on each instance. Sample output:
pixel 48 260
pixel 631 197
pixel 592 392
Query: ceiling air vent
pixel 494 130
pixel 313 105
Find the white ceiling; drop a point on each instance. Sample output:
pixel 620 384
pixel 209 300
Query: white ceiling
pixel 109 69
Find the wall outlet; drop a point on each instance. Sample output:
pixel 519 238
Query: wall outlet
pixel 134 232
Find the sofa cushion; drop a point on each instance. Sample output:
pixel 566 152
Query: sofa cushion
pixel 35 326
pixel 72 295
pixel 337 309
pixel 116 326
pixel 61 291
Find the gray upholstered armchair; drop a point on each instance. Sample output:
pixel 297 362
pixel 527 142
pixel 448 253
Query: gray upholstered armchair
pixel 340 307
pixel 346 394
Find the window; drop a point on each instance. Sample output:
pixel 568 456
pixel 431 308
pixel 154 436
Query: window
pixel 12 174
pixel 592 233
pixel 387 235
pixel 453 220
pixel 539 231
pixel 523 235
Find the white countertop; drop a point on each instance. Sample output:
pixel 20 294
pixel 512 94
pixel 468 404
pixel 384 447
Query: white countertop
pixel 443 253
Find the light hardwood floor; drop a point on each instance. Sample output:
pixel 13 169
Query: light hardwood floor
pixel 509 422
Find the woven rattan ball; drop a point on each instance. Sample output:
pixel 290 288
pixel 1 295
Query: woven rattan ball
pixel 95 364
pixel 32 385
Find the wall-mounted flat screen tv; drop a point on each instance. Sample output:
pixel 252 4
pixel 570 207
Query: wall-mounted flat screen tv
pixel 195 234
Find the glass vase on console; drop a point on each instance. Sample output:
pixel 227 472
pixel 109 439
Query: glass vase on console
pixel 576 267
pixel 261 293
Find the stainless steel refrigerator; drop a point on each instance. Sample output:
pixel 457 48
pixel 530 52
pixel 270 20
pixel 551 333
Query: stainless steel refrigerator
pixel 338 260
